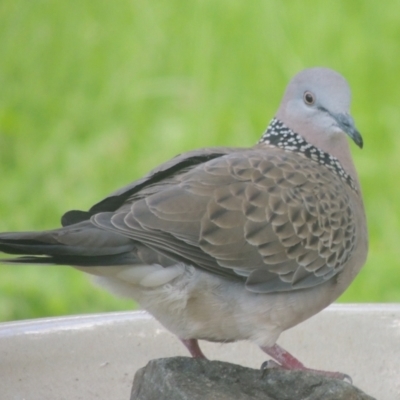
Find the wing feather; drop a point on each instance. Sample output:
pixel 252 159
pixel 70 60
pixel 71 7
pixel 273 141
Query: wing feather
pixel 280 220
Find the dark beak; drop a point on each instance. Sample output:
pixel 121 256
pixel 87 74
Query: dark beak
pixel 346 123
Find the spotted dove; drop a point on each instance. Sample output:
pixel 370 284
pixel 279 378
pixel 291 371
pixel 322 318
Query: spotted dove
pixel 227 244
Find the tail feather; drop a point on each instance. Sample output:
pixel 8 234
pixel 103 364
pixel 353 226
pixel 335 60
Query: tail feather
pixel 32 247
pixel 78 261
pixel 82 244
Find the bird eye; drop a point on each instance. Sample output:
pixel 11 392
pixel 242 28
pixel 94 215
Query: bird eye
pixel 308 98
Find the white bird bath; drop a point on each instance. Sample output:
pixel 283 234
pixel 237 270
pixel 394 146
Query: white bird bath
pixel 96 356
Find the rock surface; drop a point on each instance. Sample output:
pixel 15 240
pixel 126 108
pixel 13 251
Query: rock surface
pixel 182 378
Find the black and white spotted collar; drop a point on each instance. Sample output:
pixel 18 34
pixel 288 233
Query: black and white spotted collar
pixel 279 135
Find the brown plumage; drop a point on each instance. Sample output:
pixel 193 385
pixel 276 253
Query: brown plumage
pixel 227 244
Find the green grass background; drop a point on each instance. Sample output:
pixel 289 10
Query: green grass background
pixel 95 93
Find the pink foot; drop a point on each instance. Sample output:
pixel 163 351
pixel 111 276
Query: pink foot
pixel 287 361
pixel 193 346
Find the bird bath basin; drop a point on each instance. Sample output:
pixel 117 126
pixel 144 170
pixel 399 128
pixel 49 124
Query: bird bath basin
pixel 96 356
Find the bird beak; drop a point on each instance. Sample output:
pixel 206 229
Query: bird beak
pixel 346 123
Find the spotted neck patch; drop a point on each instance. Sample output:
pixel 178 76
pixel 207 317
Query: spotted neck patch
pixel 279 135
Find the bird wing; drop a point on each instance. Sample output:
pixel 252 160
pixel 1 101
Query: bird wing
pixel 276 219
pixel 166 170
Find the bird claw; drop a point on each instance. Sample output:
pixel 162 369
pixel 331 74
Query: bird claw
pixel 269 364
pixel 347 378
pixel 289 362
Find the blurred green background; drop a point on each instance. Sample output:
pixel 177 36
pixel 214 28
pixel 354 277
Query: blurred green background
pixel 93 94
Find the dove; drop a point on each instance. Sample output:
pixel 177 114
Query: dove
pixel 226 244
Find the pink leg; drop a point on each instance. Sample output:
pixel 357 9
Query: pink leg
pixel 287 361
pixel 193 346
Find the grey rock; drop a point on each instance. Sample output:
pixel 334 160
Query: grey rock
pixel 182 378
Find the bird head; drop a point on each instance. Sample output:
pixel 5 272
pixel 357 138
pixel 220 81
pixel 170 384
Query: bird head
pixel 316 105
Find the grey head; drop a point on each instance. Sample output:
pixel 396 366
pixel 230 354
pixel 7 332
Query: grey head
pixel 316 105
